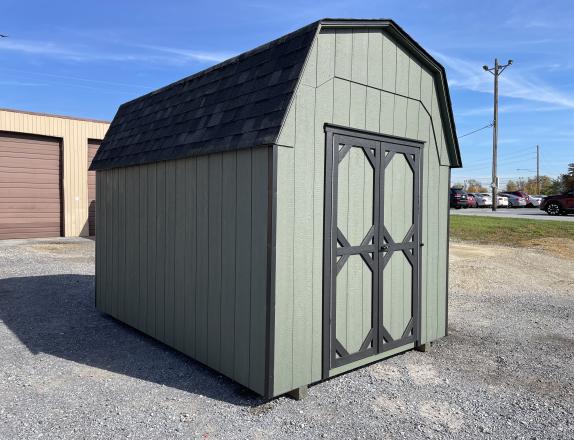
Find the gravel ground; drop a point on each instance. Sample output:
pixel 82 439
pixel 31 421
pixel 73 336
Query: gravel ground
pixel 505 371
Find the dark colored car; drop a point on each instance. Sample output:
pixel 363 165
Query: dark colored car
pixel 458 198
pixel 559 204
pixel 471 201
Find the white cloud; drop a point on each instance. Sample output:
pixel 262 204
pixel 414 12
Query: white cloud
pixel 147 53
pixel 510 108
pixel 469 75
pixel 38 48
pixel 20 83
pixel 189 54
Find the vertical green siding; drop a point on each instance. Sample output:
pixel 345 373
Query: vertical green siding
pixel 182 255
pixel 303 228
pixel 284 275
pixel 354 219
pixel 152 260
pixel 143 249
pixel 215 212
pixel 242 274
pixel 228 286
pixel 180 217
pixel 363 80
pixel 259 278
pixel 169 275
pixel 398 215
pixel 191 256
pixel 161 251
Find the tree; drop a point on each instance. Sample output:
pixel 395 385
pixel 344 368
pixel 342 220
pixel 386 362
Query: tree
pixel 511 186
pixel 556 187
pixel 457 185
pixel 568 178
pixel 473 185
pixel 564 182
pixel 520 183
pixel 546 185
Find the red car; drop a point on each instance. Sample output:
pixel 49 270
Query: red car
pixel 560 204
pixel 471 201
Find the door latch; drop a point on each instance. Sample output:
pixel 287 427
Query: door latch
pixel 384 248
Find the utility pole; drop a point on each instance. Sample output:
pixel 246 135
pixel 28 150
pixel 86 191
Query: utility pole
pixel 538 169
pixel 496 71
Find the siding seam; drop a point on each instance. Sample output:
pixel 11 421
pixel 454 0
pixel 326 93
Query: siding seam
pixel 293 252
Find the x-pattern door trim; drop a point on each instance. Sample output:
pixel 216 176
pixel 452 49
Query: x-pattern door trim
pixel 337 248
pixel 342 249
pixel 409 245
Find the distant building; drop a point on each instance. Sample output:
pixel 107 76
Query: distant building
pixel 45 187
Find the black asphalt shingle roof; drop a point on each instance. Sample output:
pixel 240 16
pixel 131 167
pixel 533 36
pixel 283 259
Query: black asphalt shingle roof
pixel 239 103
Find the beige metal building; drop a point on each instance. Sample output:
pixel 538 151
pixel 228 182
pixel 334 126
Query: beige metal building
pixel 45 187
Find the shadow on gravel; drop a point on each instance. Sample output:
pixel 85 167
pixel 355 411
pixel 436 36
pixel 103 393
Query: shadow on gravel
pixel 56 315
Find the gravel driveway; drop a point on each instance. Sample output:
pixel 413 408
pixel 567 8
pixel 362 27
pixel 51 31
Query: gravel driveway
pixel 505 371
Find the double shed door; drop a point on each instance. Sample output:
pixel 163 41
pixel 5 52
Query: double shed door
pixel 372 245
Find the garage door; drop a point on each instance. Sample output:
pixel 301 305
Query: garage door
pixel 93 146
pixel 30 193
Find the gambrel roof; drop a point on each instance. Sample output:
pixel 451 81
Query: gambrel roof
pixel 239 103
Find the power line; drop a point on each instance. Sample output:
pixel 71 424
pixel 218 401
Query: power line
pixel 477 130
pixel 504 164
pixel 507 159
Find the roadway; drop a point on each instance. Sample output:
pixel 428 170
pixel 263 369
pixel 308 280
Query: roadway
pixel 528 213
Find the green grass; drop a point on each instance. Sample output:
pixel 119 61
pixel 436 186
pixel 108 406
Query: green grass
pixel 507 231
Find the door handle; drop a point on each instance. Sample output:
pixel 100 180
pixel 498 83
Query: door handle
pixel 384 248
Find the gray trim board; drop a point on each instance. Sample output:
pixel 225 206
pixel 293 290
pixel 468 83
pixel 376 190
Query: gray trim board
pixel 271 255
pixel 447 258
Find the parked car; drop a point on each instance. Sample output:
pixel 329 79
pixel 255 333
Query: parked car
pixel 535 200
pixel 560 204
pixel 514 201
pixel 502 201
pixel 458 198
pixel 483 200
pixel 522 194
pixel 471 201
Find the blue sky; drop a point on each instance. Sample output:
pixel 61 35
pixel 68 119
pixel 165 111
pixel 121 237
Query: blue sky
pixel 86 58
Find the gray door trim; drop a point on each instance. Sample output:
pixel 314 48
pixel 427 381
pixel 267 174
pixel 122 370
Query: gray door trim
pixel 410 249
pixel 330 345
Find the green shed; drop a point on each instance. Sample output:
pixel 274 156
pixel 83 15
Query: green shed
pixel 282 217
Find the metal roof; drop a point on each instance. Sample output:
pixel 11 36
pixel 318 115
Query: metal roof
pixel 239 103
